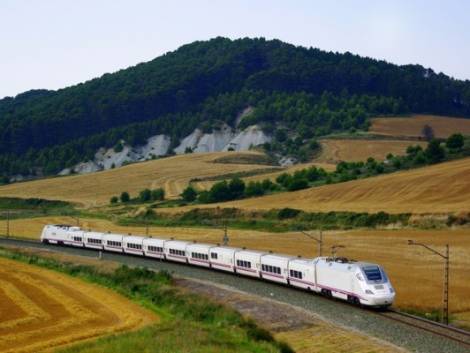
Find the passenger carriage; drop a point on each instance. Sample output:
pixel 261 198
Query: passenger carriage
pixel 93 240
pixel 302 273
pixel 274 267
pixel 222 258
pixel 113 242
pixel 198 254
pixel 175 250
pixel 248 262
pixel 154 247
pixel 133 245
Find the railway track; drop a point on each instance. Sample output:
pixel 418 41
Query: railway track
pixel 404 329
pixel 452 333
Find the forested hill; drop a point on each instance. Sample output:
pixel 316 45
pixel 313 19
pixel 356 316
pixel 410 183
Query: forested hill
pixel 206 82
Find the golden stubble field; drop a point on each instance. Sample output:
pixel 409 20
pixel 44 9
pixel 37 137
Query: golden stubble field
pixel 437 189
pixel 416 273
pixel 173 174
pixel 413 126
pixel 355 150
pixel 41 310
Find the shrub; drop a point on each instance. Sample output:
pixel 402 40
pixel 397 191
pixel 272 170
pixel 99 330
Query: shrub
pixel 434 152
pixel 455 142
pixel 125 197
pixel 145 195
pixel 297 184
pixel 286 213
pixel 236 188
pixel 189 194
pixel 254 189
pixel 114 199
pixel 158 194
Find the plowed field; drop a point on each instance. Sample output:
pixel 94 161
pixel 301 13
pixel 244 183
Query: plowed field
pixel 41 310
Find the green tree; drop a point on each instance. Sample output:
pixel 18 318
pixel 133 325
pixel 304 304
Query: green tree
pixel 434 152
pixel 253 189
pixel 145 195
pixel 427 132
pixel 189 194
pixel 220 192
pixel 297 184
pixel 125 197
pixel 114 199
pixel 158 194
pixel 455 142
pixel 236 188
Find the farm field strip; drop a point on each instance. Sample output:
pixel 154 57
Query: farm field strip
pixel 412 126
pixel 436 189
pixel 42 309
pixel 356 150
pixel 172 173
pixel 387 247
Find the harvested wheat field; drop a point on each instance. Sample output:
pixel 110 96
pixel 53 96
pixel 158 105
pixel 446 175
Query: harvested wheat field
pixel 353 150
pixel 173 174
pixel 413 126
pixel 387 247
pixel 41 310
pixel 440 188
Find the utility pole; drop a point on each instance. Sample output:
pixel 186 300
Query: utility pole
pixel 225 239
pixel 8 223
pixel 319 240
pixel 445 296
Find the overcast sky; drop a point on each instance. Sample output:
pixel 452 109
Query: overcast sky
pixel 58 43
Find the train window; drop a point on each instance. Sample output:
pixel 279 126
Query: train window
pixel 372 273
pixel 214 255
pixel 77 238
pixel 94 241
pixel 242 263
pixel 295 274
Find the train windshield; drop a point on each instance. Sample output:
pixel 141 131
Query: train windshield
pixel 372 273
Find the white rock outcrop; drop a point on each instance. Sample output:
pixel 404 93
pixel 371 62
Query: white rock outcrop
pixel 221 139
pixel 250 137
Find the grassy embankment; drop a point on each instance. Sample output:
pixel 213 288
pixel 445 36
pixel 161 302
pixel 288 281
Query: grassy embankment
pixel 189 323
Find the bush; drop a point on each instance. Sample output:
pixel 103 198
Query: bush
pixel 286 213
pixel 125 197
pixel 254 189
pixel 297 184
pixel 189 194
pixel 455 142
pixel 158 194
pixel 145 195
pixel 434 152
pixel 236 188
pixel 114 199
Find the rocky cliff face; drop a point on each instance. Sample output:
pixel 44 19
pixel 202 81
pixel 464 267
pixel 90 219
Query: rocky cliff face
pixel 223 139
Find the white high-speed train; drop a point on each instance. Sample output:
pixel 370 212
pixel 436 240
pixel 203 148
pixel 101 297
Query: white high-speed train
pixel 356 282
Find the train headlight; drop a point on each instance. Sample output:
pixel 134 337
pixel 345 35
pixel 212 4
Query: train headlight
pixel 368 291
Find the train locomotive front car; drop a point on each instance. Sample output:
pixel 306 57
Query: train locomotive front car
pixel 356 282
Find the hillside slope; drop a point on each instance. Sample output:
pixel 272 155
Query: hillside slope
pixel 439 188
pixel 173 174
pixel 208 83
pixel 413 126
